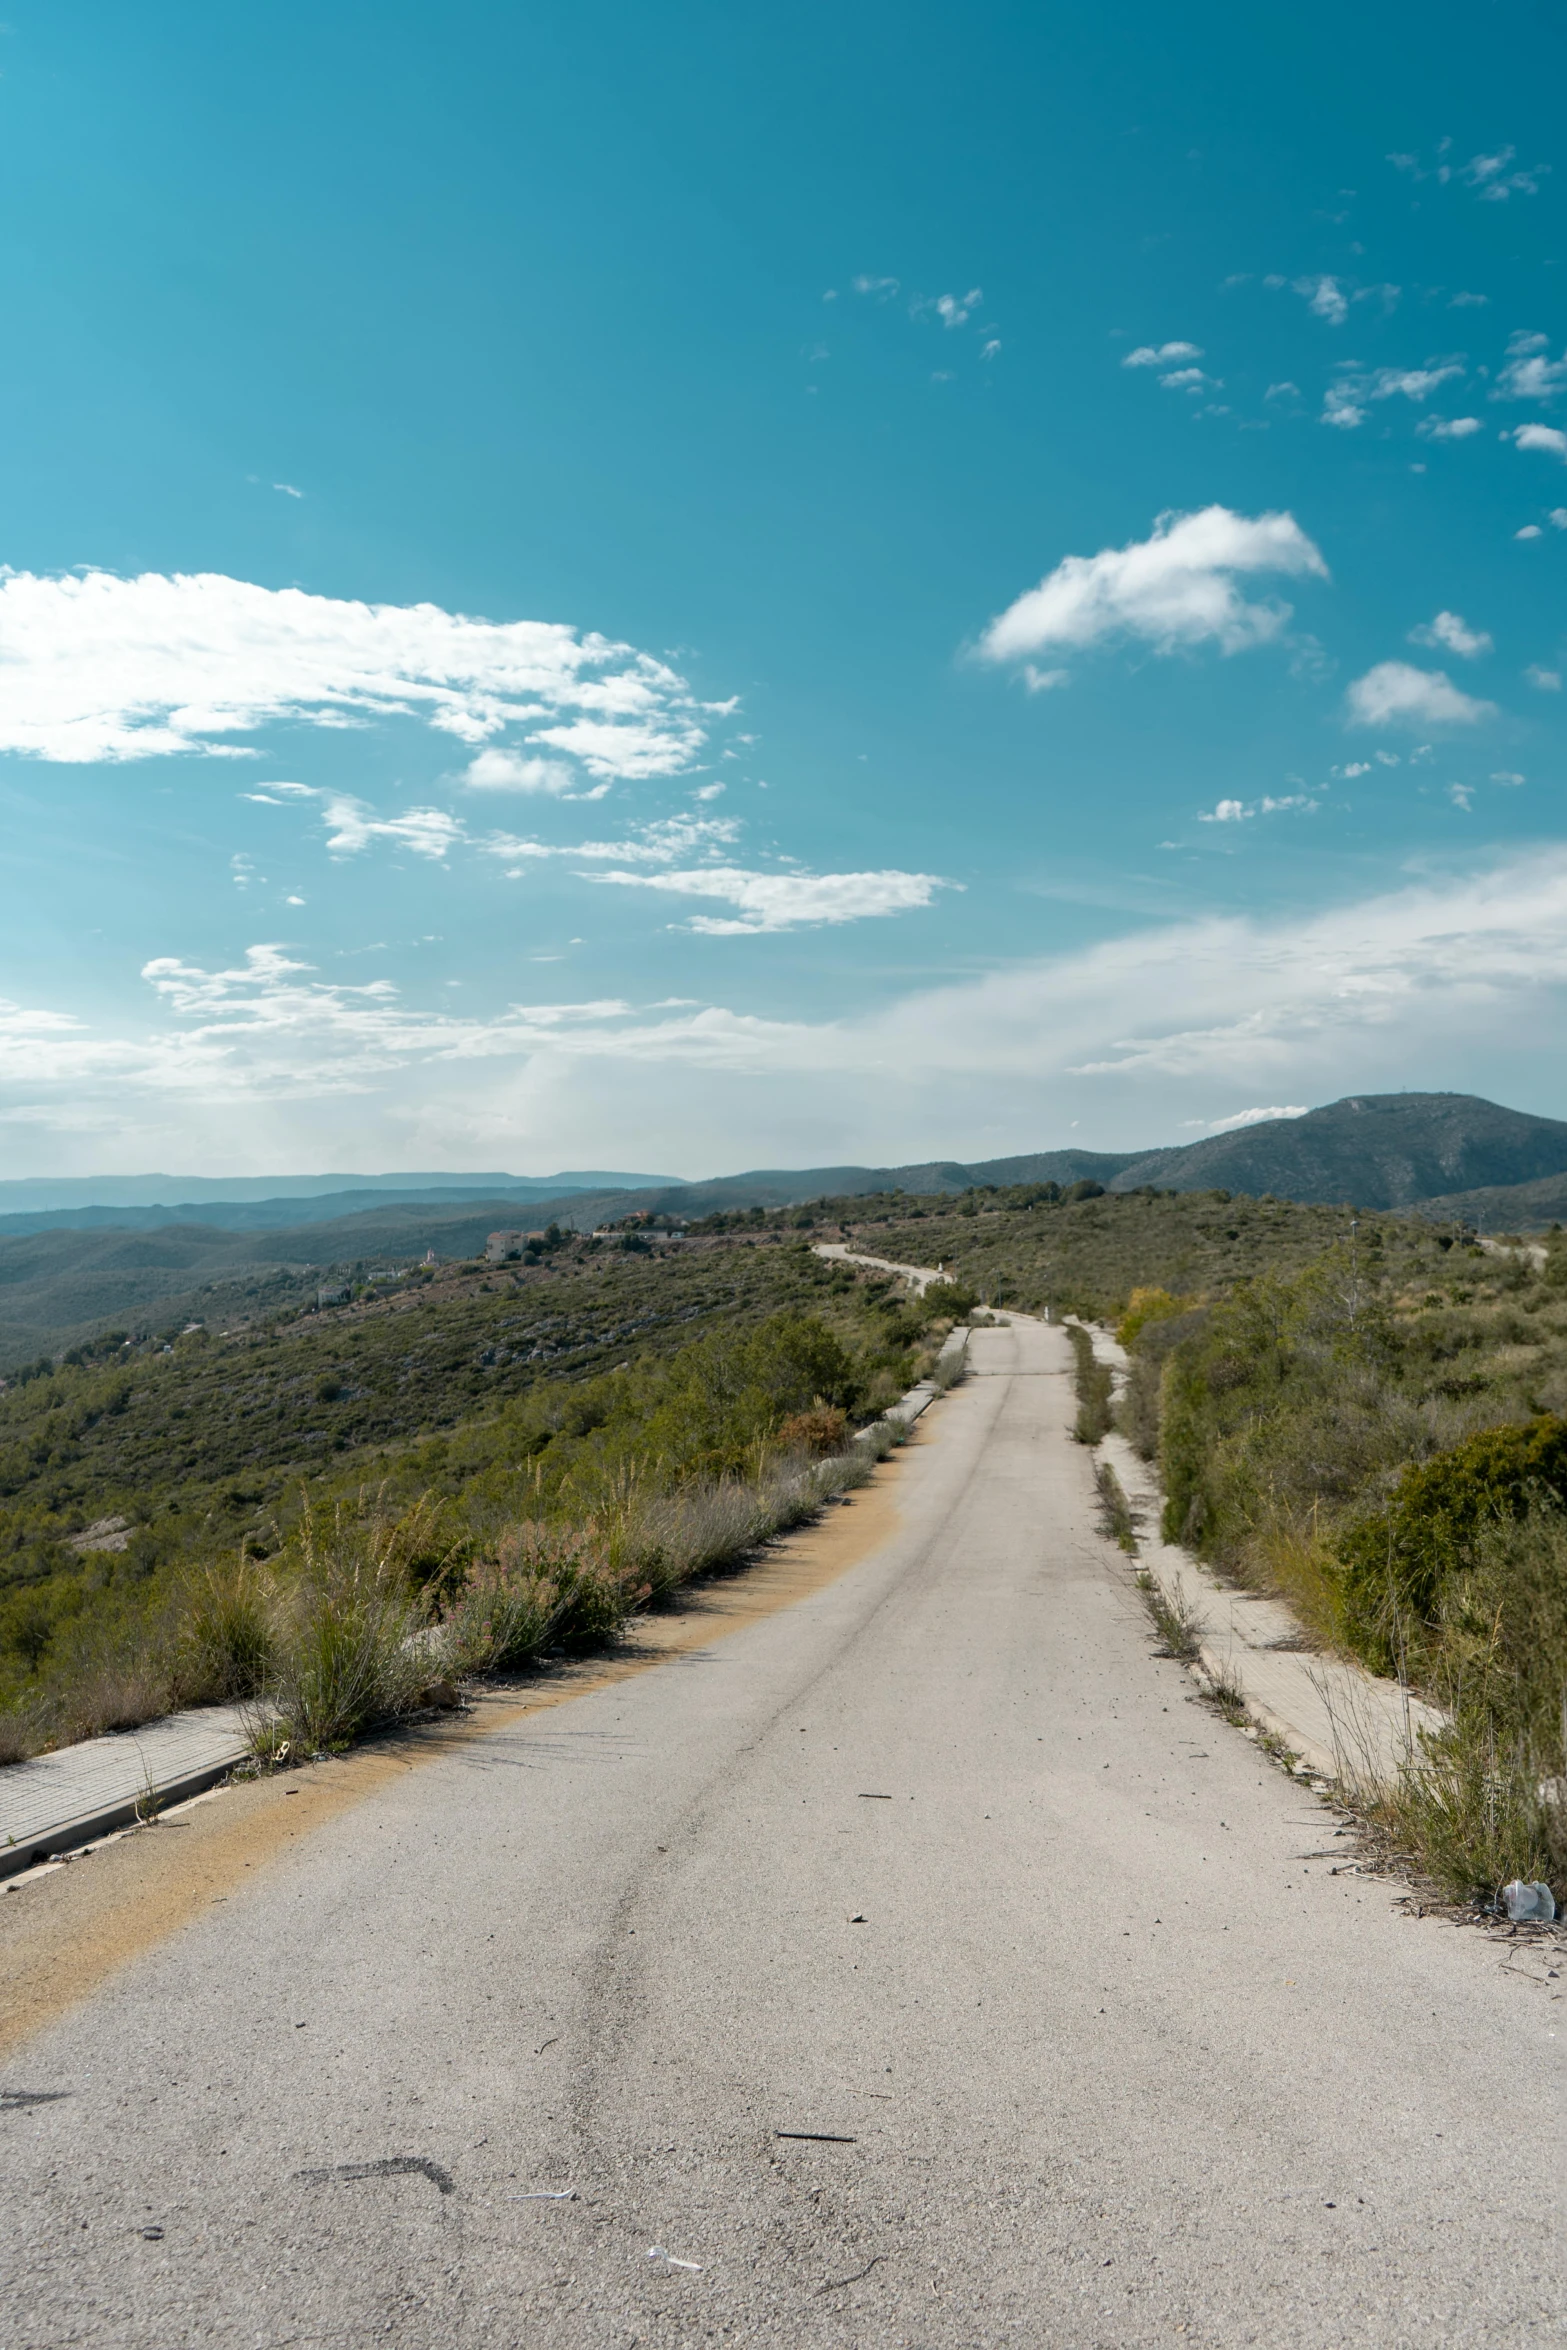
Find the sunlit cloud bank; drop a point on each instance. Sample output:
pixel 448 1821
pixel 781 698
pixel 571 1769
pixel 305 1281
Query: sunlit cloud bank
pixel 97 667
pixel 1449 981
pixel 1173 591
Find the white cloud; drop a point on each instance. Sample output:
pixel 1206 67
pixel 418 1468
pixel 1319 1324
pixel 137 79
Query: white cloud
pixel 1469 302
pixel 1541 436
pixel 989 350
pixel 1415 383
pixel 497 769
pixel 1282 391
pixel 428 832
pixel 1546 681
pixel 1325 298
pixel 103 668
pixel 1346 400
pixel 785 901
pixel 882 287
pixel 288 489
pixel 1162 354
pixel 1171 590
pixel 1490 177
pixel 1530 530
pixel 1395 693
pixel 1452 633
pixel 1558 517
pixel 1242 811
pixel 1506 776
pixel 953 309
pixel 1457 982
pixel 1448 428
pixel 1529 374
pixel 1188 379
pixel 659 843
pixel 1242 1118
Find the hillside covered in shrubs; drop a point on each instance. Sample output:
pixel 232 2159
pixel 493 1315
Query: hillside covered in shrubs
pixel 1367 1415
pixel 167 1508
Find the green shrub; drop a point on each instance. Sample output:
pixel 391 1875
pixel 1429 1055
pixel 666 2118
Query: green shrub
pixel 948 1301
pixel 1145 1306
pixel 226 1640
pixel 1396 1562
pixel 1093 1383
pixel 345 1618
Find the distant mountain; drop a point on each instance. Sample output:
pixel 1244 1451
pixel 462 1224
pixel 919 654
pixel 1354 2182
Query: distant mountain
pixel 72 1269
pixel 1507 1207
pixel 279 1215
pixel 45 1194
pixel 1380 1150
pixel 57 1287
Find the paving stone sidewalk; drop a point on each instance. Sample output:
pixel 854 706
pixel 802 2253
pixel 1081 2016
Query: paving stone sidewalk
pixel 60 1800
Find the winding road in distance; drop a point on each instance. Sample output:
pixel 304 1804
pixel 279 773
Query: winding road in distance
pixel 917 1964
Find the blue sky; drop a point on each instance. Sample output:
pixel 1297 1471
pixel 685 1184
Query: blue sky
pixel 710 587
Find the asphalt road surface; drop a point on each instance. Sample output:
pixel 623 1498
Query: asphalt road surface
pixel 921 1964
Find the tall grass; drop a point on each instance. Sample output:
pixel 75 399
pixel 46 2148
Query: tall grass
pixel 345 1616
pixel 1093 1382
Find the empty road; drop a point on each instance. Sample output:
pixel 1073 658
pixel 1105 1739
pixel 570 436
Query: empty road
pixel 918 1964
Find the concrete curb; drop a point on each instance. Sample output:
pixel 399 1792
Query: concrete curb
pixel 921 1395
pixel 1343 1724
pixel 76 1794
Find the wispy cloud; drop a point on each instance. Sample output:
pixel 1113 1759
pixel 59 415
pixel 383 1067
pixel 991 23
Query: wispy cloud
pixel 1448 428
pixel 1142 1028
pixel 786 901
pixel 497 769
pixel 1529 374
pixel 1242 811
pixel 1488 176
pixel 1449 632
pixel 1347 398
pixel 1173 590
pixel 1242 1118
pixel 352 826
pixel 1325 298
pixel 1162 355
pixel 658 843
pixel 956 309
pixel 1395 693
pixel 99 667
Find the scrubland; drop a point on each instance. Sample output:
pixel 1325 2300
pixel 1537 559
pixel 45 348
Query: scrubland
pixel 340 1514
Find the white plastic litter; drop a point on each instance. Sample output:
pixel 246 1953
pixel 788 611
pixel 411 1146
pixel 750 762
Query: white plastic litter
pixel 1535 1904
pixel 657 2252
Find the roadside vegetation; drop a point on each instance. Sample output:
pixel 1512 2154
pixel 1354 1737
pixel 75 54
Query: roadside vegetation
pixel 1364 1414
pixel 342 1513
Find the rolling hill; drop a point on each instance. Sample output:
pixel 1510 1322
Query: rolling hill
pixel 1383 1150
pixel 69 1272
